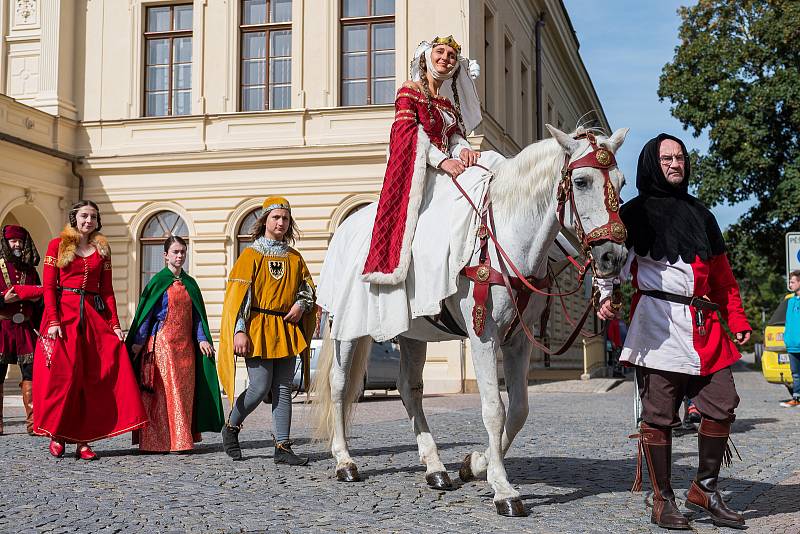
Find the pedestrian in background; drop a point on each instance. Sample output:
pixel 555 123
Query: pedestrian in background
pixel 171 345
pixel 791 337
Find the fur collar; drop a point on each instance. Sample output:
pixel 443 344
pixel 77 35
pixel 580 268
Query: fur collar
pixel 70 237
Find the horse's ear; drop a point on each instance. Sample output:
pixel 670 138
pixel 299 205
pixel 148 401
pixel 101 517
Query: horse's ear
pixel 565 140
pixel 615 141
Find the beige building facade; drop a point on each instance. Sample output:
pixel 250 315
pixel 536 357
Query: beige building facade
pixel 181 116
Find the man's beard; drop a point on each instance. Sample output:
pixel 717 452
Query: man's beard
pixel 16 252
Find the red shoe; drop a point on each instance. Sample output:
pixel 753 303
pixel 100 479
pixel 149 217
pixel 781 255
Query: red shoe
pixel 85 452
pixel 56 448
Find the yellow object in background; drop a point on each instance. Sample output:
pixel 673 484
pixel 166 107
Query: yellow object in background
pixel 775 361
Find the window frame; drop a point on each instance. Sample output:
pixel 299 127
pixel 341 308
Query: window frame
pixel 267 28
pixel 150 241
pixel 369 20
pixel 171 35
pixel 243 234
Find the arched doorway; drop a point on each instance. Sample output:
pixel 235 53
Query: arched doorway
pixel 34 222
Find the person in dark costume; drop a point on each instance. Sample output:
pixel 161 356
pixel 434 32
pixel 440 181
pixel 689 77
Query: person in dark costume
pixel 20 310
pixel 684 289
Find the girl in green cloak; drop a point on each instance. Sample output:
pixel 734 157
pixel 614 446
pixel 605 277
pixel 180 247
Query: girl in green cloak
pixel 171 346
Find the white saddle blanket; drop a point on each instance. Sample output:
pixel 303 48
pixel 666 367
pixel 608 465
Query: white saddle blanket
pixel 444 242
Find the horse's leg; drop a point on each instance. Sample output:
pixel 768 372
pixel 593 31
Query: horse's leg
pixel 516 361
pixel 346 470
pixel 506 498
pixel 409 384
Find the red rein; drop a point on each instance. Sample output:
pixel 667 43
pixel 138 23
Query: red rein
pixel 483 275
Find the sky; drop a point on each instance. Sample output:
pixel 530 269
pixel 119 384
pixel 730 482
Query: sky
pixel 624 45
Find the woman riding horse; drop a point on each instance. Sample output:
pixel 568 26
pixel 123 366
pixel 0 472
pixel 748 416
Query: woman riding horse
pixel 428 134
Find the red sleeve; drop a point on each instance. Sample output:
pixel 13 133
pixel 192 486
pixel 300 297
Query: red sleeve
pixel 27 292
pixel 405 108
pixel 387 241
pixel 107 293
pixel 725 292
pixel 50 271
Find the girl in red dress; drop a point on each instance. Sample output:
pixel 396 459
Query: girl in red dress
pixel 85 387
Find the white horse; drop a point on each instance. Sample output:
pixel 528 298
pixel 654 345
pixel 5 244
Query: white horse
pixel 523 194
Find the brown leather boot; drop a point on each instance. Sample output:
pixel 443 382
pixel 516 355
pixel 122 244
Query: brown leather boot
pixel 27 400
pixel 657 447
pixel 712 440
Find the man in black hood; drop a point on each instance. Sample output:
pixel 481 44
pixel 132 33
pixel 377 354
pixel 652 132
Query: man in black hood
pixel 684 289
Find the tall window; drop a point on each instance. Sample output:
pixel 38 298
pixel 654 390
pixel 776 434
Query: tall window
pixel 524 84
pixel 160 226
pixel 243 236
pixel 508 75
pixel 266 71
pixel 168 60
pixel 367 52
pixel 489 58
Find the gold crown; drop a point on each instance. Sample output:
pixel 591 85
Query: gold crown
pixel 449 41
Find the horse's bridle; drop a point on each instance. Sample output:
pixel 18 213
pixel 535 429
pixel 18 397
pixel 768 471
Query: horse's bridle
pixel 613 230
pixel 483 275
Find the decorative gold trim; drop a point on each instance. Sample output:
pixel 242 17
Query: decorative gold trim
pixel 603 156
pixel 611 193
pixel 482 273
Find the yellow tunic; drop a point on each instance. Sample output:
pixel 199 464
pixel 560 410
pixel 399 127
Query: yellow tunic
pixel 275 281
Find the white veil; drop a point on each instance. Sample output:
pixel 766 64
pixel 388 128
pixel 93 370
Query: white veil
pixel 465 71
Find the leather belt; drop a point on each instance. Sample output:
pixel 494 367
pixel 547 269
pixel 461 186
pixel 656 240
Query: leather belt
pixel 98 302
pixel 697 302
pixel 268 312
pixel 17 318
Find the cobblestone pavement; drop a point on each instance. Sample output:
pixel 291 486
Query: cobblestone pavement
pixel 572 463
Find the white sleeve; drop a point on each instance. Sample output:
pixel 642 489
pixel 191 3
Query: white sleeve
pixel 458 143
pixel 435 156
pixel 606 285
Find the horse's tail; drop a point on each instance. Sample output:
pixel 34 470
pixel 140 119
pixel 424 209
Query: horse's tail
pixel 323 415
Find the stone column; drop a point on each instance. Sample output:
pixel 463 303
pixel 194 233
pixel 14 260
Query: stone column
pixel 57 62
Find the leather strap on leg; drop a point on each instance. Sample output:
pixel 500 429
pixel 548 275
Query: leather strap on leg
pixel 649 436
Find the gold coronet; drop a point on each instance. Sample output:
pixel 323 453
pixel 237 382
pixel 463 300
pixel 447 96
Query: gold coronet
pixel 449 41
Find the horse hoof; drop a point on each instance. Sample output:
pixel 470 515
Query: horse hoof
pixel 465 472
pixel 511 508
pixel 347 473
pixel 439 480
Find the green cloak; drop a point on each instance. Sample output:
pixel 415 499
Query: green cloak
pixel 208 414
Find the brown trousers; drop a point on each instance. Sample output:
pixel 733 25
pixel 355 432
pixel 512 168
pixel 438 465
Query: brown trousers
pixel 662 393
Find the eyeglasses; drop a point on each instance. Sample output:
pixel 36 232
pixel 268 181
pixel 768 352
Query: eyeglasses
pixel 667 160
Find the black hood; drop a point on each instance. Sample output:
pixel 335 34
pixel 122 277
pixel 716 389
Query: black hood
pixel 665 221
pixel 650 179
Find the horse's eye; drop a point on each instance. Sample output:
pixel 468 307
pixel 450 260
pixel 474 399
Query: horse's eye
pixel 580 183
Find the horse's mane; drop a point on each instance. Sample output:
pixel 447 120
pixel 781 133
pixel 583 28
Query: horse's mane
pixel 525 182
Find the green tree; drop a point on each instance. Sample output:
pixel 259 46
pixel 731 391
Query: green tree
pixel 736 75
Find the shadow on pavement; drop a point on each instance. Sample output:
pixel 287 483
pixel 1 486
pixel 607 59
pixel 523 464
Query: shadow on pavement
pixel 588 477
pixel 740 426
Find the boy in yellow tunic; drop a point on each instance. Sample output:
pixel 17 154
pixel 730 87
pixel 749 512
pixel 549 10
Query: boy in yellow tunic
pixel 268 317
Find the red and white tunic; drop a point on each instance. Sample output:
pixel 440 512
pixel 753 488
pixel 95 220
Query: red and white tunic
pixel 663 335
